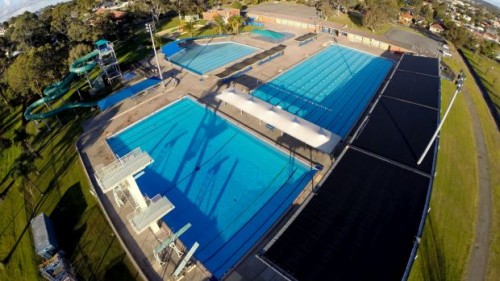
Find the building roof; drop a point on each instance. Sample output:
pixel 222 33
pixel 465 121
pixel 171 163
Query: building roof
pixel 406 15
pixel 115 14
pixel 436 26
pixel 43 233
pixel 301 13
pixel 294 126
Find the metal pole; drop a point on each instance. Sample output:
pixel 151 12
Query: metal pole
pixel 459 87
pixel 148 27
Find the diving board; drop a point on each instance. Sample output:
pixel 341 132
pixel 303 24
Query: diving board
pixel 292 125
pixel 110 176
pixel 156 210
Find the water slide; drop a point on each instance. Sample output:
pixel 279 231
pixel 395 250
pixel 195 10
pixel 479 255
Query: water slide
pixel 53 92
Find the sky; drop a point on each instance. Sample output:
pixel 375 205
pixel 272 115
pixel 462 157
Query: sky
pixel 494 2
pixel 10 8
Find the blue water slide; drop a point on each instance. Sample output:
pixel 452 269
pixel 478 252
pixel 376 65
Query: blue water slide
pixel 57 90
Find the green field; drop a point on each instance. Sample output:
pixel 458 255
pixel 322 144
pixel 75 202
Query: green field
pixel 488 71
pixel 82 230
pixel 449 228
pixel 492 139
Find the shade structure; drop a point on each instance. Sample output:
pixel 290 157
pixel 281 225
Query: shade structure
pixel 292 125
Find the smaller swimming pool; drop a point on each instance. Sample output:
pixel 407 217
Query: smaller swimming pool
pixel 202 59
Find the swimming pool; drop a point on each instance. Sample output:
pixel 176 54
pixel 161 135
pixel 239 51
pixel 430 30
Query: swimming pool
pixel 202 59
pixel 330 89
pixel 228 184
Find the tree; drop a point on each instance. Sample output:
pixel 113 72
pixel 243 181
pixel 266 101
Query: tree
pixel 20 136
pixel 457 35
pixel 326 9
pixel 236 22
pixel 236 4
pixel 5 143
pixel 379 12
pixel 85 5
pixel 427 13
pixel 220 24
pixel 155 8
pixel 23 167
pixel 3 94
pixel 81 32
pixel 31 72
pixel 28 31
pixel 61 17
pixel 488 48
pixel 78 51
pixel 188 26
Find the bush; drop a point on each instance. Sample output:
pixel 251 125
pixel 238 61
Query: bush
pixel 237 5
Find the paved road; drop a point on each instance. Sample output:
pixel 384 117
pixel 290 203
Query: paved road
pixel 478 266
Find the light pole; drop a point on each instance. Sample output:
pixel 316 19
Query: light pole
pixel 460 83
pixel 148 28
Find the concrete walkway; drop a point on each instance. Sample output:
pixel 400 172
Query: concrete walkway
pixel 478 265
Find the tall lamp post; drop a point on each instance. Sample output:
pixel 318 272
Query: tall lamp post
pixel 148 28
pixel 460 83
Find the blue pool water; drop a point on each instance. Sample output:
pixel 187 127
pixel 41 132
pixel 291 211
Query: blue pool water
pixel 228 184
pixel 330 89
pixel 201 59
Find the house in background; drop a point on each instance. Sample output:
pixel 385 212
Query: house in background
pixel 436 28
pixel 114 14
pixel 225 13
pixel 405 18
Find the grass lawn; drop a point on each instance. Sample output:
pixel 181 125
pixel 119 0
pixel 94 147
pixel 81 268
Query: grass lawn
pixel 489 72
pixel 355 22
pixel 449 229
pixel 492 139
pixel 82 230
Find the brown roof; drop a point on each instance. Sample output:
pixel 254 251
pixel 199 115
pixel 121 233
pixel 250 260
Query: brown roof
pixel 406 15
pixel 115 14
pixel 437 26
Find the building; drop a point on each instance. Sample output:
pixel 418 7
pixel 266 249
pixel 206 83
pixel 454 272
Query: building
pixel 304 19
pixel 110 5
pixel 225 13
pixel 57 268
pixel 44 236
pixel 436 28
pixel 405 18
pixel 114 14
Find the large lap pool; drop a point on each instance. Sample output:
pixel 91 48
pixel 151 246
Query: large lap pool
pixel 228 184
pixel 330 89
pixel 202 59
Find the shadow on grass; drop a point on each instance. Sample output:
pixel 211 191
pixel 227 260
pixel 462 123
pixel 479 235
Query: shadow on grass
pixel 433 265
pixel 356 18
pixel 66 216
pixel 119 271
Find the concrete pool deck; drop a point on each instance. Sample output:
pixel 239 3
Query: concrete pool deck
pixel 94 149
